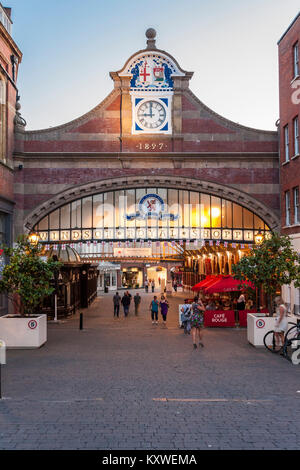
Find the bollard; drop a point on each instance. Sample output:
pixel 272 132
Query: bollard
pixel 2 361
pixel 81 321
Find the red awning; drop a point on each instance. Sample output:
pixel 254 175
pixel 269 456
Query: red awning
pixel 227 284
pixel 210 279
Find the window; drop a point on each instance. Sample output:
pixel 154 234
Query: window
pixel 296 136
pixel 296 60
pixel 296 205
pixel 287 208
pixel 286 143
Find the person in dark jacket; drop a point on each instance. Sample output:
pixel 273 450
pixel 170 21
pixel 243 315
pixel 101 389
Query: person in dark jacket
pixel 116 301
pixel 137 300
pixel 126 303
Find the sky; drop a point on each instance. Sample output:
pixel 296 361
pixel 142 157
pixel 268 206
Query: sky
pixel 70 46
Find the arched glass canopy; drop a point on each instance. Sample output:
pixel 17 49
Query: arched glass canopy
pixel 150 214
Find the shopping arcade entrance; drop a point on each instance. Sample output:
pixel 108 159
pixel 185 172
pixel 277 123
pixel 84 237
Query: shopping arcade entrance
pixel 110 220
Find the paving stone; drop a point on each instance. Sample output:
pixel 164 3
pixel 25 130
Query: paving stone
pixel 54 392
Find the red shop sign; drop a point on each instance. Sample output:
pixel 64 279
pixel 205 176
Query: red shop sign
pixel 219 318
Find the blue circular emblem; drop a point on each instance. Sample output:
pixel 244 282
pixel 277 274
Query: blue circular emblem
pixel 151 205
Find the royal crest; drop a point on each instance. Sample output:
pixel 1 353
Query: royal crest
pixel 151 206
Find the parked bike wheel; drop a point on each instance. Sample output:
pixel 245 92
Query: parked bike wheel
pixel 270 342
pixel 291 343
pixel 291 332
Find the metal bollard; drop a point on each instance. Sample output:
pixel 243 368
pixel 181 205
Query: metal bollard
pixel 81 321
pixel 2 361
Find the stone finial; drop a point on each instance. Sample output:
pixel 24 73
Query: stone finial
pixel 151 35
pixel 19 121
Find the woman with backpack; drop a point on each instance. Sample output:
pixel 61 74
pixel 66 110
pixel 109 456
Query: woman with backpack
pixel 197 320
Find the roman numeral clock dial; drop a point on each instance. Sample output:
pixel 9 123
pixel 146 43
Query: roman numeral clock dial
pixel 151 115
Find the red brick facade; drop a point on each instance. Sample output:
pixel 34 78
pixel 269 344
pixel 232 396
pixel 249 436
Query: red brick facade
pixel 99 146
pixel 289 96
pixel 10 58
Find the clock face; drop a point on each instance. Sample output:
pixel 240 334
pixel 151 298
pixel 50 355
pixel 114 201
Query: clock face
pixel 151 114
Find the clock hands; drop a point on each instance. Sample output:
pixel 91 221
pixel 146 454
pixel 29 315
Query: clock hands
pixel 151 104
pixel 151 113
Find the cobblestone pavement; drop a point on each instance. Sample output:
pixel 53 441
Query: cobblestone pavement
pixel 128 384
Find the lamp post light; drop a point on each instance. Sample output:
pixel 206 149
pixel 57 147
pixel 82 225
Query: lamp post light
pixel 33 238
pixel 258 237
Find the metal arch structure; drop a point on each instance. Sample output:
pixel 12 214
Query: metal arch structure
pixel 130 182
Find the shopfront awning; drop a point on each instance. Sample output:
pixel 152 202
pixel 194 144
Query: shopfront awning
pixel 208 281
pixel 227 284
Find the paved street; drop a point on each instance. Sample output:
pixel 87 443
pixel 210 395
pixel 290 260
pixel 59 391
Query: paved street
pixel 128 384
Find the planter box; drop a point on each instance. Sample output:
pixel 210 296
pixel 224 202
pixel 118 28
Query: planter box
pixel 259 325
pixel 23 332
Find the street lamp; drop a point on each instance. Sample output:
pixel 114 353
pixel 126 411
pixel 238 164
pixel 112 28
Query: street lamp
pixel 259 238
pixel 33 238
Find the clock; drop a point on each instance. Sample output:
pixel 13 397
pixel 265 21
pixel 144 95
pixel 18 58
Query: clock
pixel 151 114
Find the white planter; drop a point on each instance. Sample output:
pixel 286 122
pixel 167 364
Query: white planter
pixel 258 326
pixel 23 332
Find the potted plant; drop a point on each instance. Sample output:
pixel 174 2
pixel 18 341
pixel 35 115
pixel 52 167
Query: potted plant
pixel 26 280
pixel 270 265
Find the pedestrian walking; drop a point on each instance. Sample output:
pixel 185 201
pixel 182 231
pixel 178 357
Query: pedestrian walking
pixel 129 296
pixel 164 307
pixel 154 310
pixel 175 286
pixel 116 302
pixel 125 302
pixel 197 320
pixel 153 285
pixel 186 317
pixel 137 300
pixel 146 284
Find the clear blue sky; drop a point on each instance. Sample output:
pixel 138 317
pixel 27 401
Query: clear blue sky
pixel 70 46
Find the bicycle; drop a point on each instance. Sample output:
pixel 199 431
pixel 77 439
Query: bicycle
pixel 291 341
pixel 271 343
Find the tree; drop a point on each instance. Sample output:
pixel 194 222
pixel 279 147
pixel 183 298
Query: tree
pixel 270 265
pixel 27 274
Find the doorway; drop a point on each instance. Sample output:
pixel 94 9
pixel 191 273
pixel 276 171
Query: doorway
pixel 158 274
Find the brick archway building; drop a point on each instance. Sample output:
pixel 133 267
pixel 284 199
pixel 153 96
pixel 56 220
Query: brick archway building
pixel 101 145
pixel 150 132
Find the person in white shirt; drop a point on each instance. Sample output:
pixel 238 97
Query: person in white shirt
pixel 281 323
